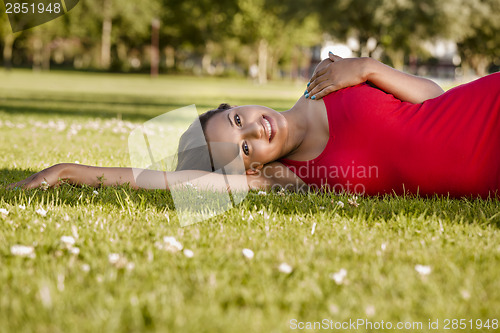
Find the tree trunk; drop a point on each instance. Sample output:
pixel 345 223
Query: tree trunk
pixel 169 57
pixel 206 60
pixel 294 70
pixel 8 42
pixel 155 44
pixel 47 51
pixel 480 64
pixel 106 35
pixel 262 61
pixel 397 58
pixel 37 53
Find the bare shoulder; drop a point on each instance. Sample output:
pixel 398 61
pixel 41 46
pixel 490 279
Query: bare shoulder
pixel 275 174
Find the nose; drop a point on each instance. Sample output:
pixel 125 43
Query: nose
pixel 253 130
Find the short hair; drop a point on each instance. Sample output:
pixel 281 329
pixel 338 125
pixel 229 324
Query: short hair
pixel 190 154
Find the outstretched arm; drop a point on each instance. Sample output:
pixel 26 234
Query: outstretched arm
pixel 77 174
pixel 337 73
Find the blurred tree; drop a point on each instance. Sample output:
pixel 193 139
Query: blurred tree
pixel 273 34
pixel 270 28
pixel 8 39
pixel 124 24
pixel 479 43
pixel 397 26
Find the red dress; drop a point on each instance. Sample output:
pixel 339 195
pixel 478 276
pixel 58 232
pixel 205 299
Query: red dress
pixel 379 144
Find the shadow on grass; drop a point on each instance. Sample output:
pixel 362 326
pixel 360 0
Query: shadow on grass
pixel 97 112
pixel 8 176
pixel 111 106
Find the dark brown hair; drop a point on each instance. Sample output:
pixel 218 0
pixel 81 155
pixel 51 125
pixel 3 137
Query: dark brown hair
pixel 193 152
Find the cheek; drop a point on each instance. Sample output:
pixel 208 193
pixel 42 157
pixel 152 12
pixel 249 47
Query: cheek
pixel 261 153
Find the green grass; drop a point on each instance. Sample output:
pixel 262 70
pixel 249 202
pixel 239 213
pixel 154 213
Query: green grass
pixel 67 117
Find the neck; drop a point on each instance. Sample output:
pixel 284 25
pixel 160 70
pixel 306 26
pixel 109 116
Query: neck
pixel 298 125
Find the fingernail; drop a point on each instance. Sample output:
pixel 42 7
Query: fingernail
pixel 306 92
pixel 314 97
pixel 330 52
pixel 308 84
pixel 307 95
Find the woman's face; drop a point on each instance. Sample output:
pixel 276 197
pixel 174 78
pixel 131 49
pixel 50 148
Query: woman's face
pixel 259 133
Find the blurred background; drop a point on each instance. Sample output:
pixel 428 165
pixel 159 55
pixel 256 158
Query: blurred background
pixel 260 39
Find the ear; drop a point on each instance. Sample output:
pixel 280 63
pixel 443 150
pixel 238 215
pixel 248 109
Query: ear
pixel 253 171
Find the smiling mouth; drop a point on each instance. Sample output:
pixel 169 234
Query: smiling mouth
pixel 268 128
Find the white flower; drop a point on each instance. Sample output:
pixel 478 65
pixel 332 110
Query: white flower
pixel 370 310
pixel 262 193
pixel 169 244
pixel 353 201
pixel 85 267
pixel 68 240
pixel 41 211
pixel 313 228
pixel 113 258
pixel 190 185
pixel 423 270
pixel 23 207
pixel 285 268
pixel 383 246
pixel 44 185
pixel 95 192
pixel 4 211
pixel 340 204
pixel 247 253
pixel 339 276
pixel 23 251
pixel 74 250
pixel 188 253
pixel 465 294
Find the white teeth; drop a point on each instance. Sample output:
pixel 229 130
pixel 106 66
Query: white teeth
pixel 269 128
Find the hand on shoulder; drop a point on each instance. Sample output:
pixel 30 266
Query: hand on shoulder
pixel 336 73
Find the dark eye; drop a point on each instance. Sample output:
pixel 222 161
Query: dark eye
pixel 237 120
pixel 245 149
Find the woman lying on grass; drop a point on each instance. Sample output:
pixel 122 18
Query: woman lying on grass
pixel 361 127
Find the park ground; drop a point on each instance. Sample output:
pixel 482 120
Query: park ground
pixel 78 259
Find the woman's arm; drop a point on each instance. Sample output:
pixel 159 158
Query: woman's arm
pixel 77 174
pixel 342 73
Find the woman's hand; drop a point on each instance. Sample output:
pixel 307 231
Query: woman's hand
pixel 49 177
pixel 336 73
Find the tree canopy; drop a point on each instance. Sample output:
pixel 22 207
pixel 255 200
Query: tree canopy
pixel 228 36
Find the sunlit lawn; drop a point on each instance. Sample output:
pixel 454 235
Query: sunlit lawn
pixel 388 259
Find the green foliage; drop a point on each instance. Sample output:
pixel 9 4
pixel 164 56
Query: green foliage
pixel 229 32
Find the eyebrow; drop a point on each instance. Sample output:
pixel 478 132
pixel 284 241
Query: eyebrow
pixel 229 118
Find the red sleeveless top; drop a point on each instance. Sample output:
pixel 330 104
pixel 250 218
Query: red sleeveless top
pixel 379 144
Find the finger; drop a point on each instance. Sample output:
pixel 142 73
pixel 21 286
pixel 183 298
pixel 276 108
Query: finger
pixel 331 85
pixel 334 57
pixel 16 186
pixel 325 91
pixel 315 83
pixel 320 86
pixel 323 65
pixel 318 73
